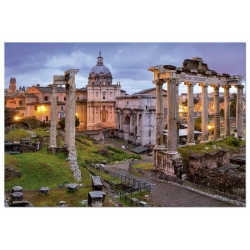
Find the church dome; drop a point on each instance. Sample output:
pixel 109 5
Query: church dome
pixel 100 74
pixel 100 67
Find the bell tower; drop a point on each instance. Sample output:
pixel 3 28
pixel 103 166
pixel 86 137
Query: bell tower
pixel 12 85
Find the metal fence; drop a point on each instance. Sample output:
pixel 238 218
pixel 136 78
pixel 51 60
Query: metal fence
pixel 131 181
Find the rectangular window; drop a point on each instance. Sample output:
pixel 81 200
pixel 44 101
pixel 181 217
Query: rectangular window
pixel 20 102
pixel 35 108
pixel 47 118
pixel 64 98
pixel 46 98
pixel 61 107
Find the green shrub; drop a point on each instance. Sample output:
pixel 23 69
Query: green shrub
pixel 233 141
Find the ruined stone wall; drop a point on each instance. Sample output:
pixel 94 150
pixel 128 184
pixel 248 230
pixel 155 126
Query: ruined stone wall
pixel 170 164
pixel 213 170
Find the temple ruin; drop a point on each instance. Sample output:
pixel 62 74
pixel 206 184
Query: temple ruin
pixel 193 71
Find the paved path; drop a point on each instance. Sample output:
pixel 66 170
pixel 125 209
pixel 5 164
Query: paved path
pixel 164 194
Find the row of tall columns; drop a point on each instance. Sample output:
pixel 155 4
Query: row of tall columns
pixel 239 112
pixel 173 136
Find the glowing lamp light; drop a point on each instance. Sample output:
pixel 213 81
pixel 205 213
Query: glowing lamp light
pixel 17 118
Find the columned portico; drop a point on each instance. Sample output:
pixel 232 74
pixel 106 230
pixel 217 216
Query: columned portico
pixel 190 115
pixel 204 117
pixel 216 112
pixel 193 71
pixel 239 112
pixel 226 110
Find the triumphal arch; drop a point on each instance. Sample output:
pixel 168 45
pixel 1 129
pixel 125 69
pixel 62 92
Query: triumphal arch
pixel 193 71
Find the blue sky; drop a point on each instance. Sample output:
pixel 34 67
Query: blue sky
pixel 32 63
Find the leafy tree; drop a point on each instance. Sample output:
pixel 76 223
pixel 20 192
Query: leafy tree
pixel 222 112
pixel 195 101
pixel 61 122
pixel 197 124
pixel 233 109
pixel 185 103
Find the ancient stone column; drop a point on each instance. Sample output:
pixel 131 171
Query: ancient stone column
pixel 159 116
pixel 216 112
pixel 172 121
pixel 204 117
pixel 190 115
pixel 227 110
pixel 177 113
pixel 239 111
pixel 53 113
pixel 72 115
pixel 67 116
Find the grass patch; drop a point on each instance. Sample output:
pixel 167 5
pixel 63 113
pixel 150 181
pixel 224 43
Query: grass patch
pixel 17 134
pixel 126 199
pixel 105 176
pixel 231 143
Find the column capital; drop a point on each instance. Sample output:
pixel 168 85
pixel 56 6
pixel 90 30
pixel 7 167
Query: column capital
pixel 239 86
pixel 202 84
pixel 173 81
pixel 53 87
pixel 191 84
pixel 158 82
pixel 226 86
pixel 215 86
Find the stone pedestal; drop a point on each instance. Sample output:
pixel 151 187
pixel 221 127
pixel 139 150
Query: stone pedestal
pixel 17 189
pixel 17 196
pixel 44 190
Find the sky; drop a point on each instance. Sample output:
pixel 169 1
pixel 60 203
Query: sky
pixel 132 36
pixel 36 63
